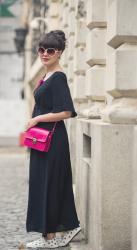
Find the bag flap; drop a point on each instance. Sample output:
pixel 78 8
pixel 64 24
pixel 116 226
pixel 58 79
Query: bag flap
pixel 39 133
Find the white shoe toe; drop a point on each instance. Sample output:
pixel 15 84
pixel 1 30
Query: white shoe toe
pixel 68 236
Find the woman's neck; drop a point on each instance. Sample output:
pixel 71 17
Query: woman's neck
pixel 53 68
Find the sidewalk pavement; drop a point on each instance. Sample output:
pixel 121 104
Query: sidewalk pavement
pixel 14 170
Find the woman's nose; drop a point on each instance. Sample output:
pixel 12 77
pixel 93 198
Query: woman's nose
pixel 45 52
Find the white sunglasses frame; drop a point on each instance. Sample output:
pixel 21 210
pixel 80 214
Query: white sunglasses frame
pixel 46 51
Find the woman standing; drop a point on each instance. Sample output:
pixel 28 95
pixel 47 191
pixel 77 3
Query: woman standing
pixel 51 205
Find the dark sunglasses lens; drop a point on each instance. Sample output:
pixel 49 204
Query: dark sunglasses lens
pixel 51 51
pixel 41 50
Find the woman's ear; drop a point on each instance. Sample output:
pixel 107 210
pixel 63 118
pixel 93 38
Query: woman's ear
pixel 60 53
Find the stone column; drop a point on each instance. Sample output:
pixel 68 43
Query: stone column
pixel 95 58
pixel 80 65
pixel 105 173
pixel 53 15
pixel 121 81
pixel 93 91
pixel 121 85
pixel 67 23
pixel 63 24
pixel 134 195
pixel 121 111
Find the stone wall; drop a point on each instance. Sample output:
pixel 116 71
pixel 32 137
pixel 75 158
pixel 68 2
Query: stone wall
pixel 102 78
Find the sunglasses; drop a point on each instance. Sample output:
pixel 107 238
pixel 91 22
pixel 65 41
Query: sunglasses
pixel 49 51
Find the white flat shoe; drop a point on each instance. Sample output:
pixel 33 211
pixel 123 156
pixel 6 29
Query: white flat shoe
pixel 42 243
pixel 35 244
pixel 68 237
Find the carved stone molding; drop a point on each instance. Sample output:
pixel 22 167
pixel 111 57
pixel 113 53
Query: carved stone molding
pixel 121 110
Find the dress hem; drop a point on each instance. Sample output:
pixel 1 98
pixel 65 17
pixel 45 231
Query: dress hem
pixel 53 231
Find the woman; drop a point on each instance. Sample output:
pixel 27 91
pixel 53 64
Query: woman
pixel 51 206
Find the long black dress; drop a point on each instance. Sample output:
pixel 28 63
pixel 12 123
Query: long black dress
pixel 51 205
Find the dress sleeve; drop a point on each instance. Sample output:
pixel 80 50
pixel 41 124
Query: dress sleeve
pixel 61 96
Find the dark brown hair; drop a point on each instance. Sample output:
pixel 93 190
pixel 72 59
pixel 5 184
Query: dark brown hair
pixel 54 39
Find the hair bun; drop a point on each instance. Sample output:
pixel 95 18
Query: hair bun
pixel 60 34
pixel 53 39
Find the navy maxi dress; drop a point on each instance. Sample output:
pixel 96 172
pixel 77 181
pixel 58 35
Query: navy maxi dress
pixel 51 205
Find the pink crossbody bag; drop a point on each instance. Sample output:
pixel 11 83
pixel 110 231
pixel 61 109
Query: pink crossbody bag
pixel 38 138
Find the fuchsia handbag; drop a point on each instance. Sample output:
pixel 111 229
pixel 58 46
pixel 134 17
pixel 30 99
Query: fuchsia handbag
pixel 38 138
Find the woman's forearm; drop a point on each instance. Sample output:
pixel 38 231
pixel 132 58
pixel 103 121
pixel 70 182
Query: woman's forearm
pixel 51 117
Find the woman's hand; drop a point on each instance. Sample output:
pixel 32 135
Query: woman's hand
pixel 32 122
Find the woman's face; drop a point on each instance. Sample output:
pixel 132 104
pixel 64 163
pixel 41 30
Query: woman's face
pixel 49 56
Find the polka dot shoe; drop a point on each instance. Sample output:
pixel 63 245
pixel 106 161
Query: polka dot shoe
pixel 68 237
pixel 42 243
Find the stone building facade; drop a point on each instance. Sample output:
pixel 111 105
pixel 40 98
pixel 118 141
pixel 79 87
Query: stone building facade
pixel 12 105
pixel 100 63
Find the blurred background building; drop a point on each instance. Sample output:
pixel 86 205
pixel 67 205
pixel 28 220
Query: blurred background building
pixel 100 63
pixel 12 105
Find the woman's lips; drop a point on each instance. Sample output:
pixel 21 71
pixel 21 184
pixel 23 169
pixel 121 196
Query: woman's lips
pixel 45 59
